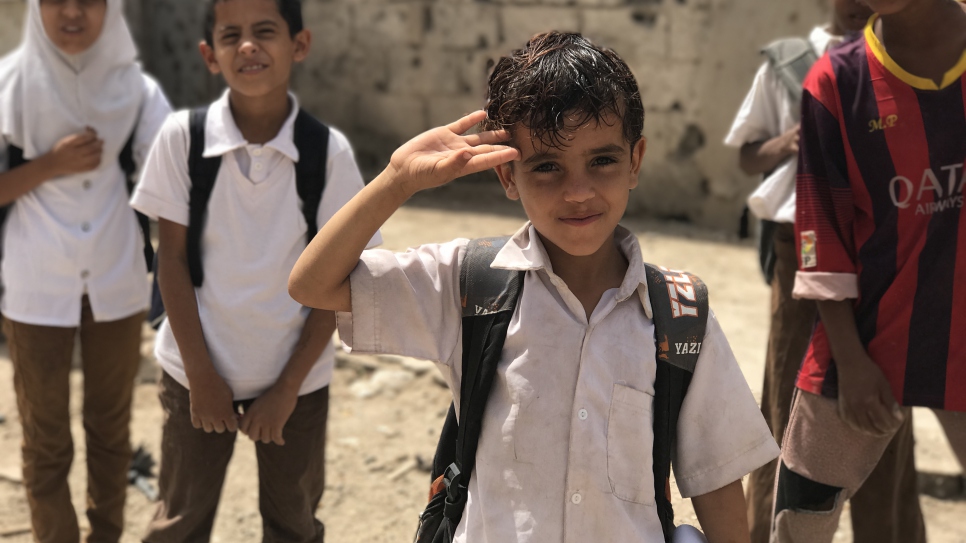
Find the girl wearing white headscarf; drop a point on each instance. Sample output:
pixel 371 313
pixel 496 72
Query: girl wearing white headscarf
pixel 71 97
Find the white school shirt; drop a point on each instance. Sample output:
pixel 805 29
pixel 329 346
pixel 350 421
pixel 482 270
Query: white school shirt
pixel 76 235
pixel 767 112
pixel 565 447
pixel 254 233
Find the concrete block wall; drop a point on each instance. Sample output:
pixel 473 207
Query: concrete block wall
pixel 385 70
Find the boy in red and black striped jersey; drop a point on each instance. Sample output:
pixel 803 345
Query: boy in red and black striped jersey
pixel 882 248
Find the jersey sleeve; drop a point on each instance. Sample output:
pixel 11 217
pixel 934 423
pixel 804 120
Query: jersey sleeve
pixel 721 434
pixel 824 208
pixel 164 186
pixel 759 117
pixel 406 303
pixel 343 181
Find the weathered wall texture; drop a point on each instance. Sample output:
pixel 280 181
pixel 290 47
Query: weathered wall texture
pixel 11 19
pixel 384 70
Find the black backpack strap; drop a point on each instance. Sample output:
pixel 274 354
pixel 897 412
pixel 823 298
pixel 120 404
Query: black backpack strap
pixel 129 167
pixel 679 302
pixel 489 298
pixel 203 171
pixel 791 59
pixel 312 140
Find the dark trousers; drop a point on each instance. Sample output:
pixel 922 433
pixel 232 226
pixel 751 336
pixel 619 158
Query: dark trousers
pixel 291 478
pixel 886 508
pixel 41 357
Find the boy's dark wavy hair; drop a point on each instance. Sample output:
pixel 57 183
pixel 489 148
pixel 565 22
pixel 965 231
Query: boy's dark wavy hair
pixel 561 75
pixel 291 11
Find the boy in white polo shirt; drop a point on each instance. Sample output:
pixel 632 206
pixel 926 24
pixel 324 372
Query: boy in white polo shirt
pixel 552 465
pixel 237 352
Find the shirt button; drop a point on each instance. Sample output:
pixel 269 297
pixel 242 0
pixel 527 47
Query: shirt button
pixel 87 184
pixel 86 227
pixel 576 498
pixel 582 414
pixel 258 165
pixel 85 274
pixel 257 152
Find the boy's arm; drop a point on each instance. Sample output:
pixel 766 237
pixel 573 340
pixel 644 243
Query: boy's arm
pixel 210 397
pixel 76 153
pixel 723 514
pixel 865 398
pixel 320 278
pixel 266 417
pixel 764 156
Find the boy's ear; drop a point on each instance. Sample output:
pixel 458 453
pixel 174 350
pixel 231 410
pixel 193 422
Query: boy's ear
pixel 505 173
pixel 303 42
pixel 208 55
pixel 637 159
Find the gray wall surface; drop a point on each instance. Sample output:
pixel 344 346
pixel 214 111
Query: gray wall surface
pixel 385 70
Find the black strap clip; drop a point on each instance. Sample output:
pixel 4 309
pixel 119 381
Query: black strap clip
pixel 455 493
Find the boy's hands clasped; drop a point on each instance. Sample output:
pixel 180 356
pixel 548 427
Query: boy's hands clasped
pixel 443 154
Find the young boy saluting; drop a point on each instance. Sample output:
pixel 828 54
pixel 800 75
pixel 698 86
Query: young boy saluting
pixel 882 248
pixel 237 352
pixel 580 345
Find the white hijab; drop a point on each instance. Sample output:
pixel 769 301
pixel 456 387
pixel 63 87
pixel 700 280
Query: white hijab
pixel 46 94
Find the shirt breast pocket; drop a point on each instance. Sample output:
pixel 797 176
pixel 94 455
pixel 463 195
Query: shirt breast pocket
pixel 630 439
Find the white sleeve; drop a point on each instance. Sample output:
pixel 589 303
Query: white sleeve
pixel 406 303
pixel 343 181
pixel 759 117
pixel 164 186
pixel 154 111
pixel 721 435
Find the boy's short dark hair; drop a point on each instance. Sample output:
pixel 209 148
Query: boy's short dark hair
pixel 561 74
pixel 291 11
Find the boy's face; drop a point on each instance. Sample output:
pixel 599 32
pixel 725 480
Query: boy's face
pixel 575 196
pixel 73 26
pixel 851 15
pixel 252 46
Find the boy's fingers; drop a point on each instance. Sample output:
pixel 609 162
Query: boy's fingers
pixel 219 426
pixel 277 436
pixel 483 138
pixel 489 160
pixel 467 122
pixel 231 424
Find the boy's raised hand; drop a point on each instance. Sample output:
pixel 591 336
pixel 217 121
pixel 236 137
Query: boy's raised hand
pixel 443 154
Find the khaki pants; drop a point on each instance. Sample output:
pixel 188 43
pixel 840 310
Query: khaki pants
pixel 886 508
pixel 824 462
pixel 291 478
pixel 41 357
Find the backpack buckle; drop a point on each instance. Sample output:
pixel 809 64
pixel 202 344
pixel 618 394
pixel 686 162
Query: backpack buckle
pixel 455 493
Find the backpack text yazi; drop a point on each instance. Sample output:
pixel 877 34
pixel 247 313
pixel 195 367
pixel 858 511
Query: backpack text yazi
pixel 679 302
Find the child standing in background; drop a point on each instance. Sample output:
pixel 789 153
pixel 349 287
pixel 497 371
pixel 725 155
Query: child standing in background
pixel 76 115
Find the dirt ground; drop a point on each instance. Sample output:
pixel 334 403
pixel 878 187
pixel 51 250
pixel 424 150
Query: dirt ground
pixel 386 413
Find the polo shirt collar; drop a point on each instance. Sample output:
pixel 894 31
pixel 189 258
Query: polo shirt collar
pixel 223 136
pixel 525 252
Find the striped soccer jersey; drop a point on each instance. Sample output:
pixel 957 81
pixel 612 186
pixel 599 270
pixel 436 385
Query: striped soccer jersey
pixel 880 219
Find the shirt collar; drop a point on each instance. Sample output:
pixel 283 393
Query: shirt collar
pixel 222 134
pixel 525 252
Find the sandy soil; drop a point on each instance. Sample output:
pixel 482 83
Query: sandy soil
pixel 386 413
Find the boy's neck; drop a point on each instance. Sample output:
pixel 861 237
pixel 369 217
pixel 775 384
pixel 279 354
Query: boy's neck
pixel 260 118
pixel 588 277
pixel 923 24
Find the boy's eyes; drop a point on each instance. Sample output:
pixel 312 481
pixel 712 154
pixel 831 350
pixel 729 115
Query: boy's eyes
pixel 547 167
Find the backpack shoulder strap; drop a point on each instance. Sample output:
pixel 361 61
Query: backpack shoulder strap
pixel 489 297
pixel 312 140
pixel 679 303
pixel 791 59
pixel 129 167
pixel 202 171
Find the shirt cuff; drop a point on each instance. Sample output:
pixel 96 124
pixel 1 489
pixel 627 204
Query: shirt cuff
pixel 825 286
pixel 357 329
pixel 156 208
pixel 733 470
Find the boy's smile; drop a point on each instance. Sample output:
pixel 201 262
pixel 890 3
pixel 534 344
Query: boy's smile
pixel 575 195
pixel 252 47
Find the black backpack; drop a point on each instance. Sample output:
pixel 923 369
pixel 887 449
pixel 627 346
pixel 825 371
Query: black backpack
pixel 489 297
pixel 126 160
pixel 312 141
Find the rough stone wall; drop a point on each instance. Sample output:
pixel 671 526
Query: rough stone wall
pixel 11 21
pixel 385 70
